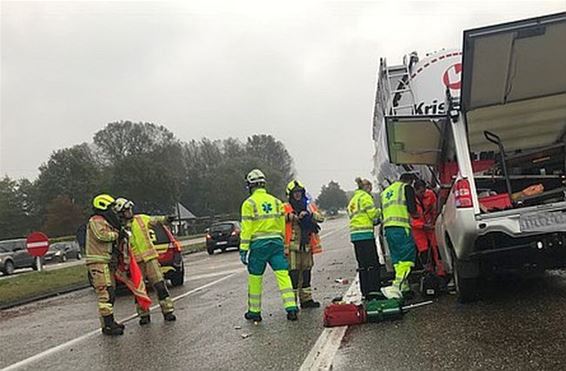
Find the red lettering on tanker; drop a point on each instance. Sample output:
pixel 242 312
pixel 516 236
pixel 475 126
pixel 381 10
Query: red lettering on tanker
pixel 452 76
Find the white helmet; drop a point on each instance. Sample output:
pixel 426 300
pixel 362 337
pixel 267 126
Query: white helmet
pixel 121 204
pixel 255 177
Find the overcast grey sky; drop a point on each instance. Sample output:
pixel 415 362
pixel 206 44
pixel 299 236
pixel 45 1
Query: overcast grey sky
pixel 302 71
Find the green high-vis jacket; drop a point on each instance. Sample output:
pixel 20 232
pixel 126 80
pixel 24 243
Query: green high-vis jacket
pixel 262 218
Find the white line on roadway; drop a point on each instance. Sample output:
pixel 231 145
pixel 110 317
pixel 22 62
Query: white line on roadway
pixel 322 353
pixel 69 343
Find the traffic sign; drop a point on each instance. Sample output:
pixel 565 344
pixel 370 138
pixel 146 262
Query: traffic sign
pixel 37 244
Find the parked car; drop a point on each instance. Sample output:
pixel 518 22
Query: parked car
pixel 14 255
pixel 61 251
pixel 222 235
pixel 170 255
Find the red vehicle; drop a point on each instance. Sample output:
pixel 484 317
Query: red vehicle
pixel 170 255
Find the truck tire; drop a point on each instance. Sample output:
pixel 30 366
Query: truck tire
pixel 467 289
pixel 178 277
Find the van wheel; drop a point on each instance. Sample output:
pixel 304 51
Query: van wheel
pixel 466 288
pixel 178 277
pixel 210 251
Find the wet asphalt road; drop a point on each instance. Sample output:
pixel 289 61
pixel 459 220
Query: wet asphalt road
pixel 518 325
pixel 210 332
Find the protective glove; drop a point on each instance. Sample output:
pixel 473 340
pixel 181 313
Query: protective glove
pixel 244 256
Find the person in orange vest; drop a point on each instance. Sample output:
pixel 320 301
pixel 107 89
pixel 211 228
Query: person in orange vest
pixel 301 241
pixel 422 226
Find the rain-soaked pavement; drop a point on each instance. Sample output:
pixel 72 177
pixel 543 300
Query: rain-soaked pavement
pixel 518 325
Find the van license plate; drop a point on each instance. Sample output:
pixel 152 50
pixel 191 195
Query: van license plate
pixel 543 222
pixel 221 243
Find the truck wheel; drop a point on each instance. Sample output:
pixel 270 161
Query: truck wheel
pixel 178 277
pixel 466 288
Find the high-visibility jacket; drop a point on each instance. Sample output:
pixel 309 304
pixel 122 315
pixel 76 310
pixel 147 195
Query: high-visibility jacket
pixel 141 240
pixel 394 206
pixel 100 237
pixel 293 229
pixel 362 213
pixel 426 210
pixel 262 218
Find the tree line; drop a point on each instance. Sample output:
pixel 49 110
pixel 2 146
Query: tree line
pixel 143 162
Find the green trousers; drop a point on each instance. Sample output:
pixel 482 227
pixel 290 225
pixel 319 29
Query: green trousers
pixel 262 253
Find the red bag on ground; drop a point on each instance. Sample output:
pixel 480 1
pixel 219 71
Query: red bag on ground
pixel 344 315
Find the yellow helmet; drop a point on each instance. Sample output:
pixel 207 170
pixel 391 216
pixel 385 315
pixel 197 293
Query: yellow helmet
pixel 102 202
pixel 294 185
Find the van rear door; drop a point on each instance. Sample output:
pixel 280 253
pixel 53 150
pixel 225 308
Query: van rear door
pixel 514 83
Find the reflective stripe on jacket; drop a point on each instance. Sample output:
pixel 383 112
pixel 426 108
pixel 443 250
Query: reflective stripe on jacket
pixel 262 218
pixel 362 213
pixel 100 237
pixel 141 241
pixel 394 206
pixel 293 229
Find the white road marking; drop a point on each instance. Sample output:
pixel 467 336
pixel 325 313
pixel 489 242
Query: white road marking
pixel 322 353
pixel 209 275
pixel 58 348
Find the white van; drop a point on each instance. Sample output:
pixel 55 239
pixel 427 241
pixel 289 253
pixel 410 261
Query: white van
pixel 499 153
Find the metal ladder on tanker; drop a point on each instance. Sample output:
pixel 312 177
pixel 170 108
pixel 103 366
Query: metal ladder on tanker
pixel 403 79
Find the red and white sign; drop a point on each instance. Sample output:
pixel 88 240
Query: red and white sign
pixel 37 244
pixel 452 77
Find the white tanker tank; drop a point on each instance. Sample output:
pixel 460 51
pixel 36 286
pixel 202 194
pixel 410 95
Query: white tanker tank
pixel 416 87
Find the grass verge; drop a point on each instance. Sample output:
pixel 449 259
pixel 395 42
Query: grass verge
pixel 37 284
pixel 29 286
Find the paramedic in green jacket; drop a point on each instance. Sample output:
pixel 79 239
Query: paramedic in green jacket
pixel 262 233
pixel 398 203
pixel 363 217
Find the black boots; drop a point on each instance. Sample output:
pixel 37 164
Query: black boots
pixel 310 304
pixel 111 327
pixel 292 315
pixel 145 320
pixel 251 316
pixel 169 317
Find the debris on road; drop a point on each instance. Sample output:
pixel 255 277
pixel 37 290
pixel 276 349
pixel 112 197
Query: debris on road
pixel 342 281
pixel 237 327
pixel 245 336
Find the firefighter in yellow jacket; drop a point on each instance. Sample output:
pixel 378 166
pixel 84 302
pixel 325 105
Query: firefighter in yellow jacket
pixel 301 241
pixel 146 256
pixel 263 230
pixel 102 234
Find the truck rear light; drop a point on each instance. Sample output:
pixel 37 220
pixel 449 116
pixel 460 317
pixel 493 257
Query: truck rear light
pixel 463 194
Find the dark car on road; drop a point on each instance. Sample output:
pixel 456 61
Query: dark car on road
pixel 14 255
pixel 222 235
pixel 61 251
